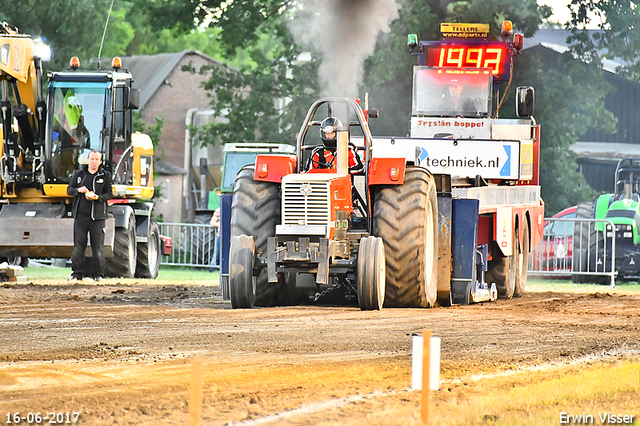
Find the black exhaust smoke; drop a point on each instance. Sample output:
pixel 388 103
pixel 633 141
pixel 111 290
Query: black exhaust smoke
pixel 344 32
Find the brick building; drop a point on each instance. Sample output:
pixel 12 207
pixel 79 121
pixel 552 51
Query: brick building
pixel 178 98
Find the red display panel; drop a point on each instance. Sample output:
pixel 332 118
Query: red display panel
pixel 487 55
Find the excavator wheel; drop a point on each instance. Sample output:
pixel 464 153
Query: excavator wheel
pixel 123 262
pixel 16 261
pixel 255 212
pixel 242 282
pixel 406 218
pixel 149 253
pixel 371 273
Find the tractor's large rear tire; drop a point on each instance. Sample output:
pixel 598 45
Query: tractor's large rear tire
pixel 584 234
pixel 242 282
pixel 123 262
pixel 406 218
pixel 148 256
pixel 522 262
pixel 255 211
pixel 371 274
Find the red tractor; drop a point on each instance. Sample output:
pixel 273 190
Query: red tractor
pixel 399 221
pixel 363 228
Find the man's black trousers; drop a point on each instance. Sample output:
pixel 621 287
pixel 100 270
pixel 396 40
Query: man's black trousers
pixel 83 226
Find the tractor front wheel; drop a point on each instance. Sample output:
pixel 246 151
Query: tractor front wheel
pixel 255 211
pixel 242 283
pixel 371 273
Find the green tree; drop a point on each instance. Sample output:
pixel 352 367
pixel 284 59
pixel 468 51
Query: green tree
pixel 619 39
pixel 386 76
pixel 71 29
pixel 267 97
pixel 255 37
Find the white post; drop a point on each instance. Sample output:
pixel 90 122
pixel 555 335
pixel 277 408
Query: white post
pixel 434 363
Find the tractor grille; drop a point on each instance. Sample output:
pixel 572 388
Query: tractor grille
pixel 306 203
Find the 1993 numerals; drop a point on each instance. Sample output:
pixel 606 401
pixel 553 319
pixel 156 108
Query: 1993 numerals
pixel 42 418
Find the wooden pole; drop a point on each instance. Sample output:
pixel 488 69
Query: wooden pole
pixel 426 349
pixel 195 399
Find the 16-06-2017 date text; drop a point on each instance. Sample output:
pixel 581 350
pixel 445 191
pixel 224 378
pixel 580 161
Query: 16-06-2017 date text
pixel 48 418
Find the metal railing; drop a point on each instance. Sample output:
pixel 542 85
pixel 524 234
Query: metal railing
pixel 569 247
pixel 575 248
pixel 193 244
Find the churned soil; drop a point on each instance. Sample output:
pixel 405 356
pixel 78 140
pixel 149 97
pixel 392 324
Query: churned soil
pixel 125 352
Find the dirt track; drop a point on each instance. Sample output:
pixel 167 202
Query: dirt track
pixel 123 353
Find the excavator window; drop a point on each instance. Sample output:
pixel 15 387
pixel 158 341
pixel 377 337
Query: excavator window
pixel 119 118
pixel 76 114
pixel 122 160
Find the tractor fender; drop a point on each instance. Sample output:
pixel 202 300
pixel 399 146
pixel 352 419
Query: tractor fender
pixel 273 167
pixel 387 171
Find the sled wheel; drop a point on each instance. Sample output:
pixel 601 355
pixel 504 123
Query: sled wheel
pixel 522 263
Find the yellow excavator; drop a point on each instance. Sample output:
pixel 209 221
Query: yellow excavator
pixel 44 138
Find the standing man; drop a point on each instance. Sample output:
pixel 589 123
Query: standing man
pixel 91 187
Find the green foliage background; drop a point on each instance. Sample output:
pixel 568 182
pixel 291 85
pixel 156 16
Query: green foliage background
pixel 253 38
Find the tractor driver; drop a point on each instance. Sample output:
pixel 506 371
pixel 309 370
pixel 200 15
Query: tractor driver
pixel 323 157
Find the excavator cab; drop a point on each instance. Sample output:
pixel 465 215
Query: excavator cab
pixel 90 111
pixel 75 117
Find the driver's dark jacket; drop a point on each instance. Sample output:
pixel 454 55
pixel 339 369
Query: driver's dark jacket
pixel 100 184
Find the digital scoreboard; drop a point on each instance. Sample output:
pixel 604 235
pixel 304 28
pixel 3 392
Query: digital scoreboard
pixel 467 54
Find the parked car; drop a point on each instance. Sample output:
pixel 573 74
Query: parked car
pixel 555 250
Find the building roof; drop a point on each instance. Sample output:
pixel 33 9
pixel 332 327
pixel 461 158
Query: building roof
pixel 556 39
pixel 163 168
pixel 606 151
pixel 151 71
